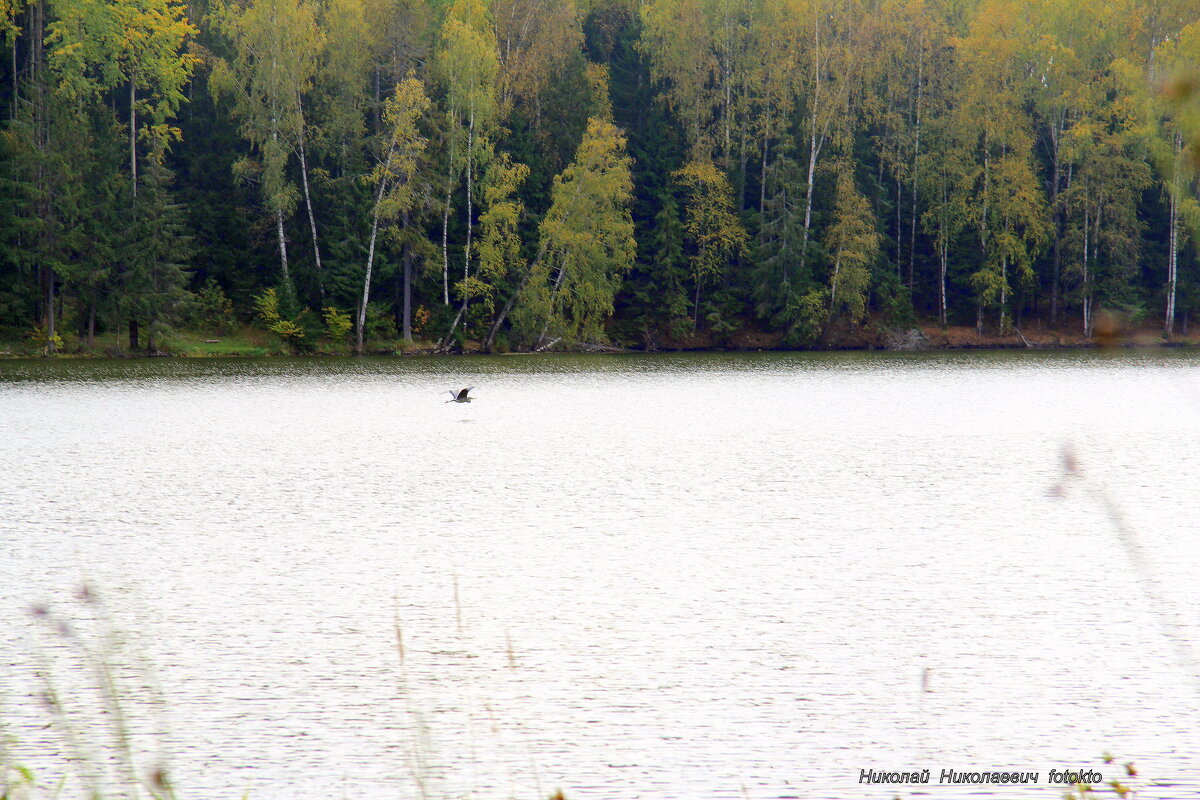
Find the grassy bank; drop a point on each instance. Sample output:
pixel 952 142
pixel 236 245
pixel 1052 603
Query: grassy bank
pixel 250 342
pixel 244 341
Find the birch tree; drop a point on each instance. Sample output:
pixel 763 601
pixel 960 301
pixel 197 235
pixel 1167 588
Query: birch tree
pixel 1177 171
pixel 96 47
pixel 536 39
pixel 500 260
pixel 853 244
pixel 394 177
pixel 586 245
pixel 832 71
pixel 276 45
pixel 1006 207
pixel 467 63
pixel 714 233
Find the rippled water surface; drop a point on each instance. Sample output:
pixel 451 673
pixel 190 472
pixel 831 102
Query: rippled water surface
pixel 690 576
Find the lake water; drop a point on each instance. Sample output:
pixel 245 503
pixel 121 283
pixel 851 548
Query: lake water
pixel 658 576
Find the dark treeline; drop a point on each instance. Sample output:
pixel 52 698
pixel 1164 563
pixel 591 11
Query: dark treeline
pixel 537 173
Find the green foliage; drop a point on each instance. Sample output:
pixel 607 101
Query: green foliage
pixel 721 312
pixel 807 316
pixel 394 175
pixel 275 46
pixel 394 178
pixel 668 268
pixel 479 298
pixel 291 330
pixel 713 231
pixel 337 324
pixel 500 258
pixel 499 234
pixel 266 306
pixel 380 322
pixel 154 277
pixel 853 243
pixel 779 273
pixel 895 302
pixel 212 309
pixel 105 47
pixel 44 341
pixel 596 170
pixel 468 63
pixel 587 242
pixel 339 101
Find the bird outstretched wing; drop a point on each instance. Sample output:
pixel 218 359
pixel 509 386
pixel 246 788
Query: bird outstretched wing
pixel 463 394
pixel 453 394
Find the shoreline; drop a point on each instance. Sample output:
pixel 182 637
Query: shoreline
pixel 248 342
pixel 611 351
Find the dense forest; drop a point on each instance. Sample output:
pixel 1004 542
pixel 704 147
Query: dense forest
pixel 525 174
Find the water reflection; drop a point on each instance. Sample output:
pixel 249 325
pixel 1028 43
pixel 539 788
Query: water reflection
pixel 677 575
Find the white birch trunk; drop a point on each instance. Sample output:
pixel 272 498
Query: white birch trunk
pixel 762 183
pixel 942 282
pixel 470 145
pixel 362 308
pixel 445 244
pixel 1056 214
pixel 445 229
pixel 283 259
pixel 312 219
pixel 1003 293
pixel 1086 275
pixel 49 309
pixel 558 279
pixel 899 228
pixel 812 139
pixel 1173 244
pixel 808 195
pixel 833 284
pixel 912 234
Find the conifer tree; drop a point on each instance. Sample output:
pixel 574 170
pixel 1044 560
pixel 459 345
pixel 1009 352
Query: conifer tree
pixel 153 285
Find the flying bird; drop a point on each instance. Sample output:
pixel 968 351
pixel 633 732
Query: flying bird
pixel 460 396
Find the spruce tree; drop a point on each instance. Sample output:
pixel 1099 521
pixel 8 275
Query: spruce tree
pixel 154 283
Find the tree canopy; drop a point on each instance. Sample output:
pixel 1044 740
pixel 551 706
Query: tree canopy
pixel 521 173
